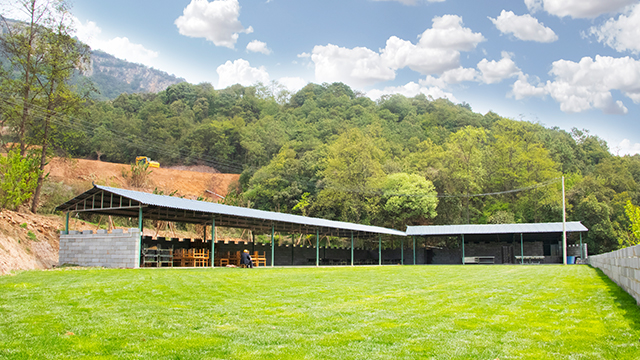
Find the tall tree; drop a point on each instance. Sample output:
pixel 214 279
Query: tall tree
pixel 465 163
pixel 21 44
pixel 62 56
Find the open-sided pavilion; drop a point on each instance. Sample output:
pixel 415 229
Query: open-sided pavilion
pixel 103 200
pixel 545 232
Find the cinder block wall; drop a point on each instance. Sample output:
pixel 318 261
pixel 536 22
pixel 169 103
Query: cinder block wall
pixel 118 249
pixel 621 266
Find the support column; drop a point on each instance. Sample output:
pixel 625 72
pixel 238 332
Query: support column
pixel 66 226
pixel 380 249
pixel 292 251
pixel 273 245
pixel 581 249
pixel 213 241
pixel 564 227
pixel 521 250
pixel 352 248
pixel 414 250
pixel 141 229
pixel 401 251
pixel 462 235
pixel 317 247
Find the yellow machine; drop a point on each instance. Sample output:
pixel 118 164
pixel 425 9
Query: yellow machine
pixel 146 160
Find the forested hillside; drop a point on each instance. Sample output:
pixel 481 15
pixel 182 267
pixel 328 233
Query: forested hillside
pixel 329 152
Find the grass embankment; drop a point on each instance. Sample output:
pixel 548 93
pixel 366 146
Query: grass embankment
pixel 392 312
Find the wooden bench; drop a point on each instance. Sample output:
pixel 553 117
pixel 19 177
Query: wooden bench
pixel 480 260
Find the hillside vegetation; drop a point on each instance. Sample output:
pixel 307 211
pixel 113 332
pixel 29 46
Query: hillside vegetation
pixel 325 151
pixel 329 152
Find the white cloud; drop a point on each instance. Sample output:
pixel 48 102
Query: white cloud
pixel 496 71
pixel 293 84
pixel 437 51
pixel 578 8
pixel 411 2
pixel 240 72
pixel 120 47
pixel 523 27
pixel 258 46
pixel 454 76
pixel 356 67
pixel 626 148
pixel 400 53
pixel 216 21
pixel 623 33
pixel 447 32
pixel 580 86
pixel 522 88
pixel 410 90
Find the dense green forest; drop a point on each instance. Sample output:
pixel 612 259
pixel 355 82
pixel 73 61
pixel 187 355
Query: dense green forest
pixel 324 151
pixel 327 151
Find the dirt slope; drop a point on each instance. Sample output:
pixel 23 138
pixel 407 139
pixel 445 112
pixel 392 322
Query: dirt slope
pixel 31 241
pixel 190 184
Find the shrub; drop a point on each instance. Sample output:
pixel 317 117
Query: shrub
pixel 139 174
pixel 18 179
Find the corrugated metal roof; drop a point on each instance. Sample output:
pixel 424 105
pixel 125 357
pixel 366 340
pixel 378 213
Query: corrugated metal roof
pixel 214 208
pixel 444 230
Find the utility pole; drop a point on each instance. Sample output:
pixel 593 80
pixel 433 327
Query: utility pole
pixel 564 227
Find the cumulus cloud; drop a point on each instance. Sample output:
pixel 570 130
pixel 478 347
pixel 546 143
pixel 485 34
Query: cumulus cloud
pixel 578 8
pixel 216 21
pixel 523 89
pixel 411 2
pixel 121 47
pixel 627 148
pixel 621 34
pixel 524 27
pixel 496 71
pixel 454 76
pixel 240 72
pixel 293 84
pixel 410 90
pixel 437 51
pixel 258 46
pixel 587 84
pixel 358 67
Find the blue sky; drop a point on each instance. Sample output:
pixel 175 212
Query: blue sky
pixel 565 63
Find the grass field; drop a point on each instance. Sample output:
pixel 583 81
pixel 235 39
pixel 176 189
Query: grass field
pixel 391 312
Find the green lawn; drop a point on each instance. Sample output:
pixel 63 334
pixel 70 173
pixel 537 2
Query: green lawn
pixel 391 312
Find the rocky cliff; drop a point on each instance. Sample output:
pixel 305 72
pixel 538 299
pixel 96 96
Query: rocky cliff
pixel 113 76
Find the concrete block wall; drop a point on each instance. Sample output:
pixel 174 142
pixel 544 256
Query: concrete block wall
pixel 117 249
pixel 621 266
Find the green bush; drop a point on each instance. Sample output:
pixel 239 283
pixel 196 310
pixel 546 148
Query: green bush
pixel 18 179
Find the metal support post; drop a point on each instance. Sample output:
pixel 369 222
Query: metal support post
pixel 564 227
pixel 317 247
pixel 352 248
pixel 380 249
pixel 581 250
pixel 213 241
pixel 141 231
pixel 273 245
pixel 66 226
pixel 401 251
pixel 414 250
pixel 462 235
pixel 521 250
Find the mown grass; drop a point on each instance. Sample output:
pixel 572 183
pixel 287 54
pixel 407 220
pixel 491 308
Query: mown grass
pixel 391 312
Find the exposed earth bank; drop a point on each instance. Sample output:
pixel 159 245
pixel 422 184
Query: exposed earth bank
pixel 31 241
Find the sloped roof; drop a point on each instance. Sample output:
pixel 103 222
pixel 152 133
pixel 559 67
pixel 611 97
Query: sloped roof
pixel 447 230
pixel 120 202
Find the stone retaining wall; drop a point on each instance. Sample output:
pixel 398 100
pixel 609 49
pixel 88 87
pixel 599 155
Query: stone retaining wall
pixel 621 266
pixel 117 249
